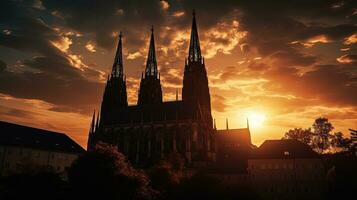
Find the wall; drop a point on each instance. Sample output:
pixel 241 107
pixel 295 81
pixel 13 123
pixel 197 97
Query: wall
pixel 15 159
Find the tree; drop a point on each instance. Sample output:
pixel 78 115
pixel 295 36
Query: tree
pixel 353 145
pixel 163 178
pixel 166 174
pixel 322 134
pixel 105 173
pixel 303 135
pixel 338 142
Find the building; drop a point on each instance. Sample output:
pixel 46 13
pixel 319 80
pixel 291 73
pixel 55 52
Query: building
pixel 287 169
pixel 154 129
pixel 23 147
pixel 233 147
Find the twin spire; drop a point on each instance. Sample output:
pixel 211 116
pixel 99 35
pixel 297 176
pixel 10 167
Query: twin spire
pixel 151 63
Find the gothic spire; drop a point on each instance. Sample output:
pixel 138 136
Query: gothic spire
pixel 92 126
pixel 117 70
pixel 176 94
pixel 227 124
pixel 151 64
pixel 194 54
pixel 247 123
pixel 97 123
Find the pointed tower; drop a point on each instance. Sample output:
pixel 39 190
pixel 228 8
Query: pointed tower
pixel 150 87
pixel 90 142
pixel 115 95
pixel 227 127
pixel 194 53
pixel 195 81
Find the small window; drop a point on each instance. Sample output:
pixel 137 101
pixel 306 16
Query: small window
pixel 286 153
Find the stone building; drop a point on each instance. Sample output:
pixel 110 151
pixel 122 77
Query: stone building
pixel 287 169
pixel 23 148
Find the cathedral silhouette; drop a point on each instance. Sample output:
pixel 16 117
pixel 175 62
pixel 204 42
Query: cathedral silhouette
pixel 153 130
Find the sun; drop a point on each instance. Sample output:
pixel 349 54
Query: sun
pixel 256 120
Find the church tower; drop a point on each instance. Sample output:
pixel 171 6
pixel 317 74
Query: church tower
pixel 115 95
pixel 195 81
pixel 150 87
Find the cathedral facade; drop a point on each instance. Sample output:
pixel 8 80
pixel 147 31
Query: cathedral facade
pixel 153 129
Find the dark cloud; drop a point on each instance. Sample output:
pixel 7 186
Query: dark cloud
pixel 49 73
pixel 76 94
pixel 329 84
pixel 52 76
pixel 2 66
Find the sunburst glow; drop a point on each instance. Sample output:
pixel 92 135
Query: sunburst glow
pixel 256 119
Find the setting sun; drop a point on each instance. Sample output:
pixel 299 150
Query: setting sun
pixel 256 120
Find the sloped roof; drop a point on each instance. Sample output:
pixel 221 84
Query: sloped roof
pixel 241 135
pixel 24 136
pixel 288 148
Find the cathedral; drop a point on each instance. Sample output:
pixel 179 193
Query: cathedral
pixel 153 129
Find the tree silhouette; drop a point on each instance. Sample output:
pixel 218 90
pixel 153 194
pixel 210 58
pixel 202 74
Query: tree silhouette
pixel 353 144
pixel 303 135
pixel 322 134
pixel 321 139
pixel 105 173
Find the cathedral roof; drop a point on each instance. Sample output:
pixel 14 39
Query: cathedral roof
pixel 156 112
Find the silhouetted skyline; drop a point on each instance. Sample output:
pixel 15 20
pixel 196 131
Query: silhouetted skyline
pixel 281 65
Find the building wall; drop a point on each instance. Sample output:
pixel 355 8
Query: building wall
pixel 288 178
pixel 147 143
pixel 15 159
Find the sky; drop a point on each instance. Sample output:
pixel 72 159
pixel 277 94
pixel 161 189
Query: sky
pixel 281 64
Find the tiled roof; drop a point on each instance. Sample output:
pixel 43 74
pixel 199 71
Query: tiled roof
pixel 18 135
pixel 288 148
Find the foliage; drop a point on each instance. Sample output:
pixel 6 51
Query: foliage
pixel 105 173
pixel 322 134
pixel 321 139
pixel 303 135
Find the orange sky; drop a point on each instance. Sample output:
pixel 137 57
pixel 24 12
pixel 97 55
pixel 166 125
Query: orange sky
pixel 281 70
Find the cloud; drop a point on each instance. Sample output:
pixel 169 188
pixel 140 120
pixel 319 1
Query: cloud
pixel 2 66
pixel 347 59
pixel 90 46
pixel 218 103
pixel 351 39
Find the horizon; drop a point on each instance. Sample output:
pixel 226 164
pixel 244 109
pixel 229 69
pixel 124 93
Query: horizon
pixel 276 71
